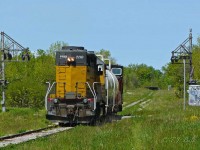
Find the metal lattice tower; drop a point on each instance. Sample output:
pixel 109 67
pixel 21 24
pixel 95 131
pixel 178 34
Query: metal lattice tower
pixel 184 51
pixel 10 51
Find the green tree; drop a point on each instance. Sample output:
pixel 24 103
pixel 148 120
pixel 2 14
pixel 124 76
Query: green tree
pixel 27 86
pixel 141 76
pixel 106 54
pixel 56 46
pixel 195 60
pixel 41 52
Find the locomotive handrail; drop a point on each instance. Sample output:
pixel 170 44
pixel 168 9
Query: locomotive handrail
pixel 49 84
pixel 94 89
pixel 102 58
pixel 48 91
pixel 106 93
pixel 92 94
pixel 109 63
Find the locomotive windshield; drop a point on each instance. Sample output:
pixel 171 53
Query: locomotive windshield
pixel 116 71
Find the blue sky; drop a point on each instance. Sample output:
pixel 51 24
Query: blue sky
pixel 134 31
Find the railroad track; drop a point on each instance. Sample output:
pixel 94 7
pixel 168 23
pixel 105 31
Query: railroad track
pixel 31 135
pixel 143 101
pixel 142 104
pixel 34 134
pixel 43 132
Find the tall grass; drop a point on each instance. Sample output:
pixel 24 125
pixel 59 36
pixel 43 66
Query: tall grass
pixel 133 95
pixel 17 120
pixel 162 124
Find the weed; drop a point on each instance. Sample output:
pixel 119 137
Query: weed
pixel 21 131
pixel 162 124
pixel 18 120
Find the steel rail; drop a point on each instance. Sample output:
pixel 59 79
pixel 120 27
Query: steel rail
pixel 25 133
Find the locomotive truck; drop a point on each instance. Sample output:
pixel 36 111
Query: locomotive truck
pixel 86 89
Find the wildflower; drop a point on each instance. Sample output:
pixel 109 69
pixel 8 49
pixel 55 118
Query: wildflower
pixel 194 118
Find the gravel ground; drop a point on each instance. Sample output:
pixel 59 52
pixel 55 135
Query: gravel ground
pixel 32 136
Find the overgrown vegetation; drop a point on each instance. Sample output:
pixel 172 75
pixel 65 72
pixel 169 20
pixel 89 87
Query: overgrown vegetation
pixel 27 80
pixel 162 124
pixel 131 96
pixel 17 120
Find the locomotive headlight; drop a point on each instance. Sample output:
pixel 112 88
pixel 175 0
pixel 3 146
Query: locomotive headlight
pixel 55 100
pixel 70 59
pixel 85 100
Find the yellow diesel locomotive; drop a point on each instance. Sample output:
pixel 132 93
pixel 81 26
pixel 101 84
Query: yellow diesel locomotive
pixel 85 89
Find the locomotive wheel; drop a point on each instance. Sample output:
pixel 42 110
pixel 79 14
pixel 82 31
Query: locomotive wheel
pixel 102 113
pixel 120 107
pixel 98 110
pixel 103 108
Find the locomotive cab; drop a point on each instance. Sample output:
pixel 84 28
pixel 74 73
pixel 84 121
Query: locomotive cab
pixel 117 70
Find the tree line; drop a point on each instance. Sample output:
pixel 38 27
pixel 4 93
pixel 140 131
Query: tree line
pixel 27 80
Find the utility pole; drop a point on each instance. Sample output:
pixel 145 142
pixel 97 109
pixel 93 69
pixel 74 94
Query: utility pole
pixel 184 84
pixel 3 73
pixel 190 53
pixel 10 52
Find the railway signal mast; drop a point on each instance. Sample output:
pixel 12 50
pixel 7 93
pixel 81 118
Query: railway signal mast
pixel 184 52
pixel 11 51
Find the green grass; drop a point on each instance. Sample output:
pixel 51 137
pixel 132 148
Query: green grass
pixel 18 120
pixel 165 125
pixel 162 124
pixel 134 95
